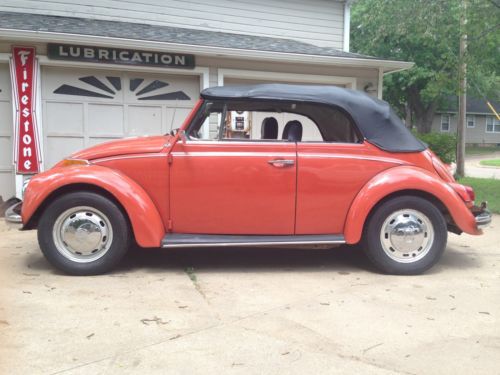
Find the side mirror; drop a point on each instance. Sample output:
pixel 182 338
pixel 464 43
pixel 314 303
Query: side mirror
pixel 182 135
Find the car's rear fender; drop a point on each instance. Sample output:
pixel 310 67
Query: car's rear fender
pixel 143 215
pixel 405 179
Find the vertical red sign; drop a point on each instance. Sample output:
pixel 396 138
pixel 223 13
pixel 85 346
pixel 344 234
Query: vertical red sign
pixel 23 80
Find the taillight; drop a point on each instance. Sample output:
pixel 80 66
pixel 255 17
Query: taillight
pixel 470 193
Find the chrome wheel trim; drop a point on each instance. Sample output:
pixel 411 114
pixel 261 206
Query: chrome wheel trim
pixel 82 234
pixel 407 236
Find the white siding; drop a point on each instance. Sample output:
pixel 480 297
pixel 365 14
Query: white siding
pixel 320 22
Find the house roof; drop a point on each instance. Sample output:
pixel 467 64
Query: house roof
pixel 373 117
pixel 45 24
pixel 474 105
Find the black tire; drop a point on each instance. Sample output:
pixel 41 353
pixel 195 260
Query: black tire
pixel 116 248
pixel 416 263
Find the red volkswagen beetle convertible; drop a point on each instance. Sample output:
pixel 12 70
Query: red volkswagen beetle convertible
pixel 258 165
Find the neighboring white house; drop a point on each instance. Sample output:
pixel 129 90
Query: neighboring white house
pixel 117 68
pixel 483 127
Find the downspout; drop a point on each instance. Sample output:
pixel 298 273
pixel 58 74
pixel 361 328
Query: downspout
pixel 347 24
pixel 380 83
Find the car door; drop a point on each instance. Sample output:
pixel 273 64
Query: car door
pixel 233 187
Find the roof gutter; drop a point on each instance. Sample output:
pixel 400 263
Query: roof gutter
pixel 201 50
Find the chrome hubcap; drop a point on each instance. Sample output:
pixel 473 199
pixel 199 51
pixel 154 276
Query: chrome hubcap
pixel 82 234
pixel 407 236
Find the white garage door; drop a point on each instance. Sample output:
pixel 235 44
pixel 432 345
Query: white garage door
pixel 85 107
pixel 7 188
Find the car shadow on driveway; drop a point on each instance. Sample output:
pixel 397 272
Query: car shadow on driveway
pixel 256 259
pixel 456 259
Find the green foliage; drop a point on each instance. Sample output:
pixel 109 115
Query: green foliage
pixel 483 41
pixel 427 32
pixel 443 145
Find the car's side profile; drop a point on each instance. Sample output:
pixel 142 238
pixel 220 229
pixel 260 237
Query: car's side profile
pixel 286 165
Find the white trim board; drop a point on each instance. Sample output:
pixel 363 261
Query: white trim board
pixel 201 50
pixel 349 82
pixel 201 71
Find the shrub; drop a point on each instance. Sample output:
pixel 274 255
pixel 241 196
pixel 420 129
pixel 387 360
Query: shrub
pixel 443 145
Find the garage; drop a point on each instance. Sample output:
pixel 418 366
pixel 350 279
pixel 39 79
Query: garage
pixel 84 107
pixel 6 168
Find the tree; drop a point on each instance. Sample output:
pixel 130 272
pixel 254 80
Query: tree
pixel 427 32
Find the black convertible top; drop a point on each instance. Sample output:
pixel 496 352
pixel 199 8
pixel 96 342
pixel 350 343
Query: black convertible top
pixel 374 118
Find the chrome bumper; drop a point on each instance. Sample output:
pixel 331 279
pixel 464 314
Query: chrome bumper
pixel 483 215
pixel 13 213
pixel 483 219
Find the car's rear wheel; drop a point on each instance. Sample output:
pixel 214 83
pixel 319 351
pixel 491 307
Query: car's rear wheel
pixel 83 233
pixel 405 235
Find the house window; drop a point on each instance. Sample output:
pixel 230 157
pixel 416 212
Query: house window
pixel 471 121
pixel 445 123
pixel 492 125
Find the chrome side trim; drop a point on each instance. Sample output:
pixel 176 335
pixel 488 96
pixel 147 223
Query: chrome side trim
pixel 133 156
pixel 267 154
pixel 242 244
pixel 340 155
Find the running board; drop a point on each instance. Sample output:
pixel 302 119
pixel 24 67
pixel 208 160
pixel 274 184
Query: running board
pixel 212 240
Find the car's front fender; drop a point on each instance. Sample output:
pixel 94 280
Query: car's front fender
pixel 146 222
pixel 401 179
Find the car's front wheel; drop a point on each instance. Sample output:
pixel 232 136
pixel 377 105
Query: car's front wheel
pixel 83 233
pixel 405 235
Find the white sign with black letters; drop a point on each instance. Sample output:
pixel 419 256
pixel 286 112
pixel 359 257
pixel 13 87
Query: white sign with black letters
pixel 119 56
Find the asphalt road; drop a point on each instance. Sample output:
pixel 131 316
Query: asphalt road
pixel 251 311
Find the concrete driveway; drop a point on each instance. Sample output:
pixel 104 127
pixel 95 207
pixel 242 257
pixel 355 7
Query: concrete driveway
pixel 251 311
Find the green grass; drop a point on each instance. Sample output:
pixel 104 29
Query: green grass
pixel 486 189
pixel 490 163
pixel 476 150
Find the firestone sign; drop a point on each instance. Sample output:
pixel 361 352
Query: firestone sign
pixel 119 56
pixel 23 83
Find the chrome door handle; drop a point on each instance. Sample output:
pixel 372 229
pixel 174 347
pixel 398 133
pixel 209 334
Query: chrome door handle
pixel 281 163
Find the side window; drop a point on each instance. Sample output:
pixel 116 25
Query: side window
pixel 205 126
pixel 272 121
pixel 265 125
